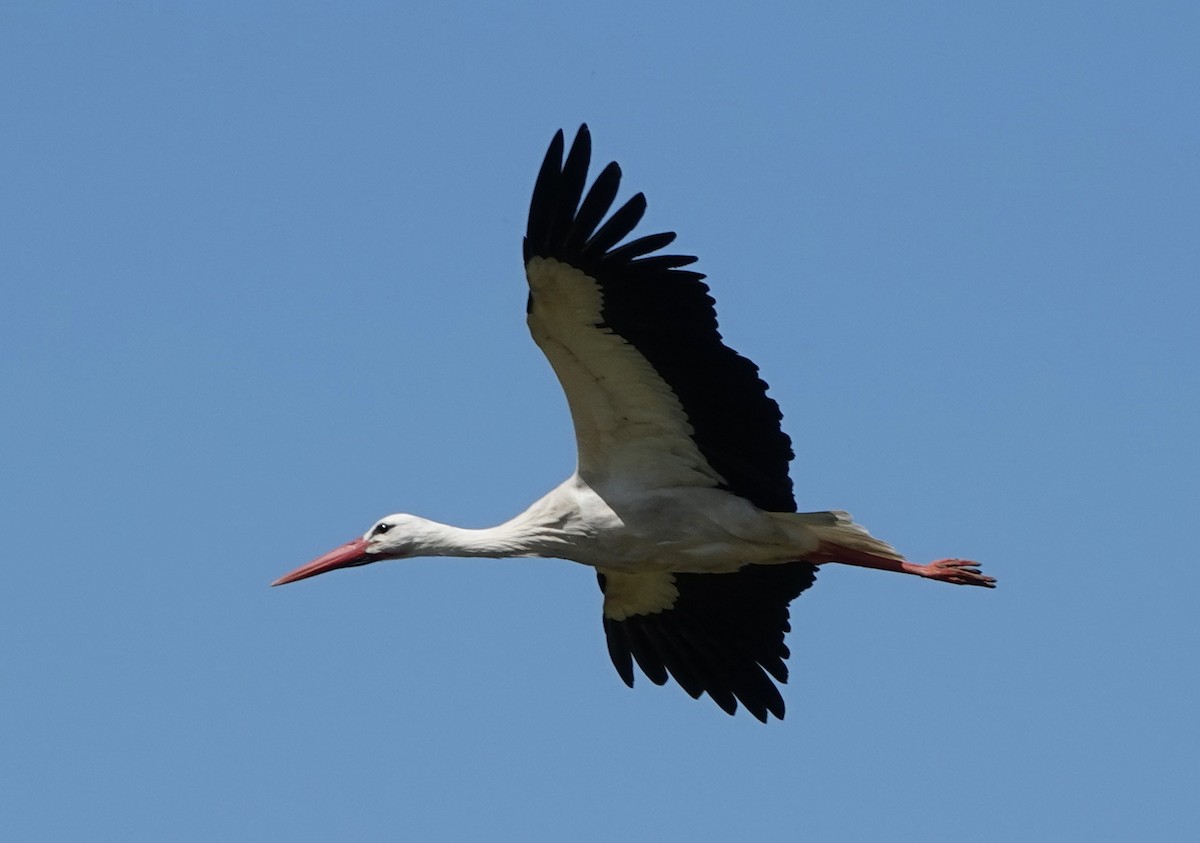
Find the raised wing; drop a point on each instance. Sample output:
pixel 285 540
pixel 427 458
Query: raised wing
pixel 656 398
pixel 716 634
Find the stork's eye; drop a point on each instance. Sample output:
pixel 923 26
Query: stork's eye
pixel 380 529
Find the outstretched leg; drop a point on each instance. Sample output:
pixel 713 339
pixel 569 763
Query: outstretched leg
pixel 957 571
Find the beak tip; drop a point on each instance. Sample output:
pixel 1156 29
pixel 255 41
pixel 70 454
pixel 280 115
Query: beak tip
pixel 287 578
pixel 351 553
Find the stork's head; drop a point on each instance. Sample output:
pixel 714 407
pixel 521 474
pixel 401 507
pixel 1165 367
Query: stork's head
pixel 389 538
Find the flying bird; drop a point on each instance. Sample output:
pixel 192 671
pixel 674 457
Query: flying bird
pixel 680 498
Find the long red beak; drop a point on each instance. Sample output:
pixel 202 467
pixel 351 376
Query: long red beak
pixel 348 555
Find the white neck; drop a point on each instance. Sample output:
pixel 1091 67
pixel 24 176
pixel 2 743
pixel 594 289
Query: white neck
pixel 550 527
pixel 446 540
pixel 525 535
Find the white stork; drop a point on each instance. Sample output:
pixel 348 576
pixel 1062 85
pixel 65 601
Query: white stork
pixel 681 498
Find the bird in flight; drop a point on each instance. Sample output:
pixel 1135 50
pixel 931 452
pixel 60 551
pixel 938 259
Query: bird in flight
pixel 680 498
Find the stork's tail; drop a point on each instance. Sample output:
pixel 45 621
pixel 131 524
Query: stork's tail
pixel 837 529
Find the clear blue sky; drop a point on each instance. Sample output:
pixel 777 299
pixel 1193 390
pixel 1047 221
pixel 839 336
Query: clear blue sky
pixel 260 283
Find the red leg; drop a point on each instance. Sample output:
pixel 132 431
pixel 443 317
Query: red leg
pixel 957 571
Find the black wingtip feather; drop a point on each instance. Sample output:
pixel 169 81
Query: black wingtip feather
pixel 619 651
pixel 572 180
pixel 545 191
pixel 642 246
pixel 641 644
pixel 617 227
pixel 595 205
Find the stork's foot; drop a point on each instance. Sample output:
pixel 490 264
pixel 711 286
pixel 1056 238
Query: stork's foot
pixel 957 571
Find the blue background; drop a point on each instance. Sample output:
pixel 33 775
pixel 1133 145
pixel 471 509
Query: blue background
pixel 260 284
